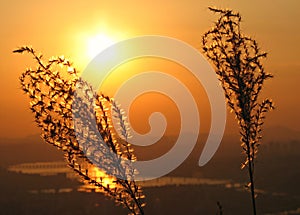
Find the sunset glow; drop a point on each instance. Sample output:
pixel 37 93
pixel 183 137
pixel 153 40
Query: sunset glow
pixel 108 106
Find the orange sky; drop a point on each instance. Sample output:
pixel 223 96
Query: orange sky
pixel 62 27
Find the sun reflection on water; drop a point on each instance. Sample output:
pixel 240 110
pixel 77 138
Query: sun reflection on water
pixel 99 176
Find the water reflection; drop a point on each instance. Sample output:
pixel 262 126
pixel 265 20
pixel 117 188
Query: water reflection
pixel 54 168
pixel 51 191
pixel 41 168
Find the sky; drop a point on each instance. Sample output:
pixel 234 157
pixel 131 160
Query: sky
pixel 68 27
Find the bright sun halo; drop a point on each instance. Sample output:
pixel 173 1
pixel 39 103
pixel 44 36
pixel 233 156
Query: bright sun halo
pixel 98 43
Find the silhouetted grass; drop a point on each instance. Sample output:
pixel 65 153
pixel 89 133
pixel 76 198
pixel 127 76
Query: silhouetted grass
pixel 52 88
pixel 238 62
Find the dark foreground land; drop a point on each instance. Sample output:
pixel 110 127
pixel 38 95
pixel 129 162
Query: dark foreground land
pixel 15 198
pixel 277 178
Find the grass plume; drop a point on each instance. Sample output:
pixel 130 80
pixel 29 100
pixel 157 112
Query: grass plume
pixel 51 88
pixel 238 63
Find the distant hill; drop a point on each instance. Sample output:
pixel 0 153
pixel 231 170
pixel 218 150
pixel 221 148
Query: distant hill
pixel 281 134
pixel 30 149
pixel 34 149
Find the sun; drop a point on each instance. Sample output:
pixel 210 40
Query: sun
pixel 98 43
pixel 91 41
